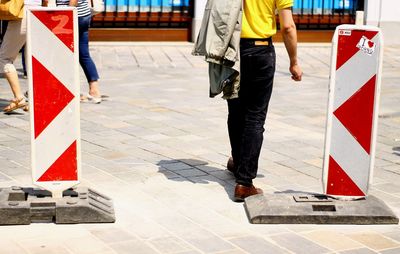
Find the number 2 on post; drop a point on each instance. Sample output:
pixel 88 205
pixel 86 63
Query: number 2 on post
pixel 62 21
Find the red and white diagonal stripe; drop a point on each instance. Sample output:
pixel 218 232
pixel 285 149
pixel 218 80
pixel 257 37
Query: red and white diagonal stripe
pixel 349 147
pixel 54 97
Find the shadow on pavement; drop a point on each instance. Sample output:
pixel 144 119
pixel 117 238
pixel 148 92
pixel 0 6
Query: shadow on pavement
pixel 198 172
pixel 4 103
pixel 396 150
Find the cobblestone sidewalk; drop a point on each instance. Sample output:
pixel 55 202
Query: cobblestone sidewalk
pixel 159 146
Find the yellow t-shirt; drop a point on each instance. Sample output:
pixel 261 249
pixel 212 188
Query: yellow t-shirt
pixel 259 17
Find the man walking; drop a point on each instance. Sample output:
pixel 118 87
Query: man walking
pixel 246 114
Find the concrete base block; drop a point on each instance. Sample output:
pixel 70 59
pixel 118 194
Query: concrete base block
pixel 299 208
pixel 22 206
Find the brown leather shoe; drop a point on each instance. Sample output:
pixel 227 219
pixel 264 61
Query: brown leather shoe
pixel 242 192
pixel 230 165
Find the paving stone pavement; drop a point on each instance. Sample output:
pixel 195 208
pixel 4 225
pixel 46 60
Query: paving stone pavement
pixel 159 146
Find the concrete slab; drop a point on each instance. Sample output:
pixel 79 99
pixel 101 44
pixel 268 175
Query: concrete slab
pixel 300 208
pixel 21 206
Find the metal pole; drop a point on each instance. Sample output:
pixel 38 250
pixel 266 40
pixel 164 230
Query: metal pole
pixel 359 18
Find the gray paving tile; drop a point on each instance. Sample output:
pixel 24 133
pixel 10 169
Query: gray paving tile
pixel 209 243
pixel 176 166
pixel 374 240
pixel 11 247
pixel 49 250
pixel 132 246
pixel 359 251
pixel 170 245
pixel 388 187
pixel 391 251
pixel 395 235
pixel 112 235
pixel 210 168
pixel 257 245
pixel 190 252
pixel 195 235
pixel 86 244
pixel 190 172
pixel 298 244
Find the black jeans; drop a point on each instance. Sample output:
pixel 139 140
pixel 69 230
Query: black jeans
pixel 247 113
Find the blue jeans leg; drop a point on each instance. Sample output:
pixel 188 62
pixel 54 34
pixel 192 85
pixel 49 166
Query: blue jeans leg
pixel 86 62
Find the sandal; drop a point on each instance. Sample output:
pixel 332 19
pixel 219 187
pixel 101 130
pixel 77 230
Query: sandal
pixel 92 99
pixel 15 103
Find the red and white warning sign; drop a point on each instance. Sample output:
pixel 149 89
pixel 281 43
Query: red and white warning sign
pixel 352 111
pixel 52 57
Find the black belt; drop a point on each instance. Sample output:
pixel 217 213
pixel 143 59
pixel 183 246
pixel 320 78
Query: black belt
pixel 256 41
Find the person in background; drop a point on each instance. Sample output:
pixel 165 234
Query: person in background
pixel 13 40
pixel 85 60
pixel 247 113
pixel 23 62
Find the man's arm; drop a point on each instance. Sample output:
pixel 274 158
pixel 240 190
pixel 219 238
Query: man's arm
pixel 289 34
pixel 73 3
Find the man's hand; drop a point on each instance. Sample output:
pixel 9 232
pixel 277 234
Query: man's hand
pixel 296 72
